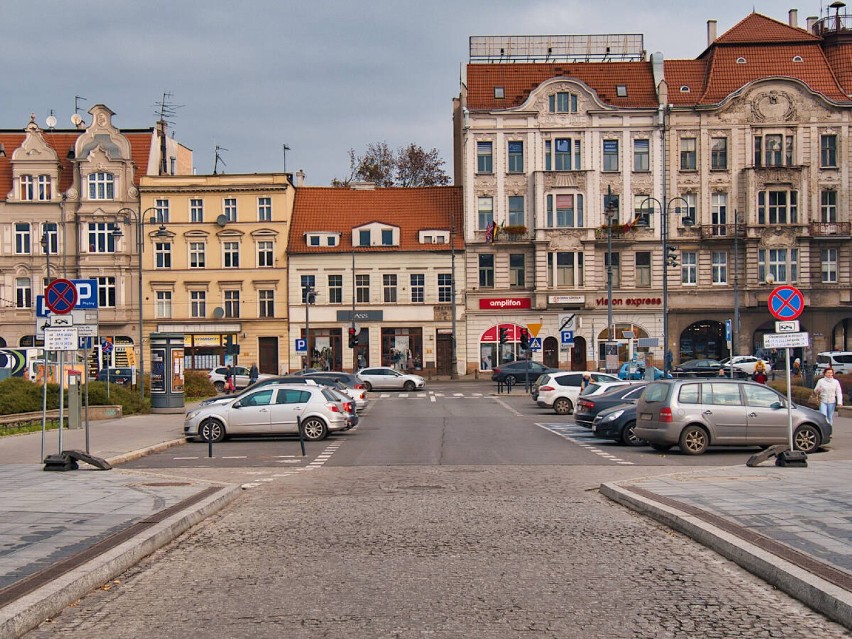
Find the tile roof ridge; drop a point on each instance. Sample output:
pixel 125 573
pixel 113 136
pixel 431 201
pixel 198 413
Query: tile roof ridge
pixel 797 34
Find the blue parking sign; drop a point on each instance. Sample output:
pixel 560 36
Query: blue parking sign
pixel 301 345
pixel 566 337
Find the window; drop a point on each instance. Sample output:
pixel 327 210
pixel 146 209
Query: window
pixel 516 157
pixel 307 283
pixel 196 210
pixel 101 238
pixel 50 230
pixel 773 150
pixel 362 289
pixel 364 237
pixel 643 209
pixel 720 267
pixel 445 287
pixel 264 209
pixel 719 213
pixel 198 304
pixel 828 259
pixel 719 153
pixel 163 254
pixel 610 155
pixel 562 102
pixel 196 255
pixel 782 264
pixel 516 210
pixel 621 90
pixel 689 267
pixel 163 305
pixel 641 155
pixel 688 154
pixel 266 303
pixel 389 288
pixel 22 238
pixel 611 209
pixel 517 277
pixel 485 208
pixel 23 292
pixel 614 259
pixel 232 303
pixel 484 158
pixel 27 187
pixel 335 289
pixel 828 206
pixel 106 292
pixel 565 269
pixel 264 254
pixel 486 270
pixel 828 151
pixel 565 211
pixel 499 93
pixel 231 254
pixel 230 209
pixel 643 269
pixel 689 212
pixel 777 207
pixel 418 288
pixel 161 210
pixel 387 237
pixel 35 189
pixel 557 154
pixel 101 186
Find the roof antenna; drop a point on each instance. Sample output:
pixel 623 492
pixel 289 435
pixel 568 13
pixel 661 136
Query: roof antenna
pixel 77 106
pixel 166 109
pixel 285 148
pixel 218 159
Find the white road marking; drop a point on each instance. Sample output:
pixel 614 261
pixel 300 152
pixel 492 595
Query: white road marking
pixel 573 433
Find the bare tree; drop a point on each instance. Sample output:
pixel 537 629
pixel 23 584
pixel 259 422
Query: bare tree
pixel 409 166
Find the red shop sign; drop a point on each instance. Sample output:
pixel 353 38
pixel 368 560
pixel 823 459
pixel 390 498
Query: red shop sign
pixel 505 303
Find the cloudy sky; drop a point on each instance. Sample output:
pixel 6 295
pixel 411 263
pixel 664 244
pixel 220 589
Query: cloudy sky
pixel 321 76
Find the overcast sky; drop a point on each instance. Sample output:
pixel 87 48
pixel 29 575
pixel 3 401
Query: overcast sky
pixel 321 76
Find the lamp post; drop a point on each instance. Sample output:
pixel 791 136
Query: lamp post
pixel 45 243
pixel 310 298
pixel 610 212
pixel 735 336
pixel 454 363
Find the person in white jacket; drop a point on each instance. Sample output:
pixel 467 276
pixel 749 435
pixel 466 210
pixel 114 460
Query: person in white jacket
pixel 829 393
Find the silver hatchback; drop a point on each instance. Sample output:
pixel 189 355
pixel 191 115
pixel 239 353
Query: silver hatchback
pixel 696 414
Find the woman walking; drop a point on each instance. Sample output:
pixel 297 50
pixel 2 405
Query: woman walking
pixel 829 393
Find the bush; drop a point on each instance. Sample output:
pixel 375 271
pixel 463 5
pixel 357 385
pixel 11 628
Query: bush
pixel 127 396
pixel 846 385
pixel 18 395
pixel 197 385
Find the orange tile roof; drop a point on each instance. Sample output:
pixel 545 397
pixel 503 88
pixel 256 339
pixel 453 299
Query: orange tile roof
pixel 519 80
pixel 840 60
pixel 685 73
pixel 760 29
pixel 342 209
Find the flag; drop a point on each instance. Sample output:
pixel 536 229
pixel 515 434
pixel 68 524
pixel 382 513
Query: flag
pixel 489 232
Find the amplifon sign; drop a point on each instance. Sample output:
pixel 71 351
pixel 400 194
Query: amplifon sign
pixel 505 303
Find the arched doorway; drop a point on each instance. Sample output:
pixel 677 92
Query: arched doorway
pixel 626 336
pixel 550 349
pixel 841 335
pixel 703 340
pixel 578 355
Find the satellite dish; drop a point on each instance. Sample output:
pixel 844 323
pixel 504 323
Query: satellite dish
pixel 51 121
pixel 76 120
pixel 218 312
pixel 222 220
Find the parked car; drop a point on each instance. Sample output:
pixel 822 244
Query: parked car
pixel 840 361
pixel 698 368
pixel 116 375
pixel 285 379
pixel 519 372
pixel 629 370
pixel 378 377
pixel 347 383
pixel 696 414
pixel 560 390
pixel 588 407
pixel 241 377
pixel 619 424
pixel 745 363
pixel 273 409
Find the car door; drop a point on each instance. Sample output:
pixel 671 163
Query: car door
pixel 289 405
pixel 724 412
pixel 251 414
pixel 241 373
pixel 767 419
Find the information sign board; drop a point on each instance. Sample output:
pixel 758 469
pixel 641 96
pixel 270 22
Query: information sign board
pixel 60 339
pixel 786 340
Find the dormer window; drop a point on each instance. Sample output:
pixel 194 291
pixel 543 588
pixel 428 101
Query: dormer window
pixel 684 89
pixel 621 90
pixel 375 234
pixel 741 60
pixel 434 237
pixel 35 188
pixel 101 186
pixel 798 58
pixel 499 93
pixel 326 238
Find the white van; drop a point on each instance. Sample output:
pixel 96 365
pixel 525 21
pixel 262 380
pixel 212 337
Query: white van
pixel 840 361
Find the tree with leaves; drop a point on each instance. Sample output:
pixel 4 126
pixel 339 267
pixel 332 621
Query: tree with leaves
pixel 408 166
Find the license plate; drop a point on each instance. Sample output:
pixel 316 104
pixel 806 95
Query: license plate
pixel 645 417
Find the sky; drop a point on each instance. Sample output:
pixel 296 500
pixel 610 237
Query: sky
pixel 319 76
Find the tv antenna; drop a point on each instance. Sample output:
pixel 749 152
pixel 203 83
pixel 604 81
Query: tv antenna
pixel 77 106
pixel 218 159
pixel 166 109
pixel 285 148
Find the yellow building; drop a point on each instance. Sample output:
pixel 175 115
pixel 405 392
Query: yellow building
pixel 214 265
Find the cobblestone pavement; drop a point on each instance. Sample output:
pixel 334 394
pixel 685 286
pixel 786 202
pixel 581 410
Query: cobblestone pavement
pixel 437 551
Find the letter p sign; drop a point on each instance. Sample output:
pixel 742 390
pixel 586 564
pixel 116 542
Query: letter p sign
pixel 87 293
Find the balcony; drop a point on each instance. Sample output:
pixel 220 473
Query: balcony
pixel 722 231
pixel 840 230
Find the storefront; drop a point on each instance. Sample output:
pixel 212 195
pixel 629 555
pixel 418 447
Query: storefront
pixel 402 348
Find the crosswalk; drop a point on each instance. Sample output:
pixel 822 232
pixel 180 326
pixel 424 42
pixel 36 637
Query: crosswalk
pixel 429 395
pixel 585 438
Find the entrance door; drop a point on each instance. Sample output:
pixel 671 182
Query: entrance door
pixel 578 355
pixel 550 346
pixel 267 359
pixel 444 354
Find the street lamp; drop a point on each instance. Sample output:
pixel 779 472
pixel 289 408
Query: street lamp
pixel 668 260
pixel 610 333
pixel 310 298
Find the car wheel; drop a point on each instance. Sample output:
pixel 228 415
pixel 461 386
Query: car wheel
pixel 220 386
pixel 694 440
pixel 368 386
pixel 408 386
pixel 211 429
pixel 314 429
pixel 663 448
pixel 628 436
pixel 807 438
pixel 563 406
pixel 511 380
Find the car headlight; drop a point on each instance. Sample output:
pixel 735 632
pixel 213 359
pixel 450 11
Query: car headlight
pixel 192 414
pixel 613 416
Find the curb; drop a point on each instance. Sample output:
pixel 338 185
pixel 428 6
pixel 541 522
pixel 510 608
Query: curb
pixel 821 595
pixel 34 608
pixel 142 452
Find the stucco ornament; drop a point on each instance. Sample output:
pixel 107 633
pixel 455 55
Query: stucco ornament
pixel 773 106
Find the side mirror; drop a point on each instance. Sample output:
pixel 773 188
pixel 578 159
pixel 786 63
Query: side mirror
pixel 776 405
pixel 237 405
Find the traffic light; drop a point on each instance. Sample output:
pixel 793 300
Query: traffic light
pixel 504 335
pixel 353 338
pixel 671 256
pixel 525 339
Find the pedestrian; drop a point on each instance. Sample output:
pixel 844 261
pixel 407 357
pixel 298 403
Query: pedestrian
pixel 722 373
pixel 587 379
pixel 759 374
pixel 229 380
pixel 253 373
pixel 797 366
pixel 829 394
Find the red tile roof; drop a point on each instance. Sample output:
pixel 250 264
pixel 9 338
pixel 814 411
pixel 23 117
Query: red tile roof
pixel 840 60
pixel 759 29
pixel 342 209
pixel 519 80
pixel 685 73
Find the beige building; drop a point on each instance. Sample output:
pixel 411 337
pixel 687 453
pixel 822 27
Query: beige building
pixel 215 266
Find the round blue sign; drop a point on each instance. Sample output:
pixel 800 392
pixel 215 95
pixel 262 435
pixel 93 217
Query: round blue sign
pixel 786 303
pixel 60 296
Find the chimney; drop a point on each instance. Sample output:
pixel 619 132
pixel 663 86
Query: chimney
pixel 811 22
pixel 300 178
pixel 793 18
pixel 711 32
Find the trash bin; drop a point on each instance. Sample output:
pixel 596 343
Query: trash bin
pixel 167 373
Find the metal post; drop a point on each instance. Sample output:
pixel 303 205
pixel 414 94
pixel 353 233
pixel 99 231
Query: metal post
pixel 736 335
pixel 664 234
pixel 454 362
pixel 354 350
pixel 609 331
pixel 46 244
pixel 140 246
pixel 61 395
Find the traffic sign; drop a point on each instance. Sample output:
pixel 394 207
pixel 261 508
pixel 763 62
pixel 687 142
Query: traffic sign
pixel 787 327
pixel 87 293
pixel 786 303
pixel 301 345
pixel 60 339
pixel 61 296
pixel 106 345
pixel 568 322
pixel 535 344
pixel 61 320
pixel 786 340
pixel 566 337
pixel 728 330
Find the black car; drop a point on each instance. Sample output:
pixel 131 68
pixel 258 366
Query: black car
pixel 589 407
pixel 617 423
pixel 121 376
pixel 347 379
pixel 698 368
pixel 520 371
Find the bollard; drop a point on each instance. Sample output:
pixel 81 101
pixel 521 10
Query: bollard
pixel 209 438
pixel 499 386
pixel 508 385
pixel 301 434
